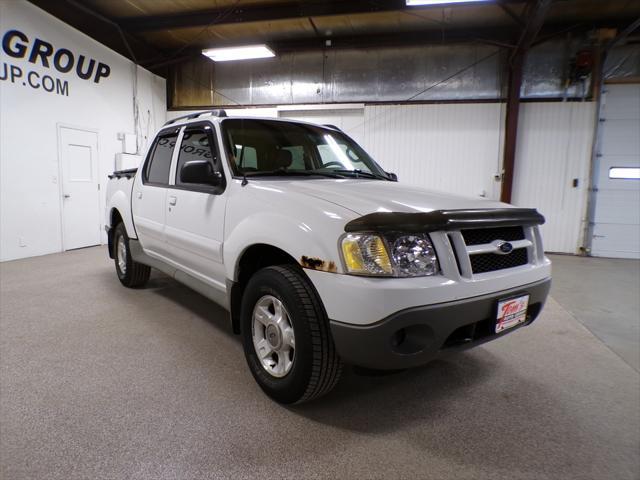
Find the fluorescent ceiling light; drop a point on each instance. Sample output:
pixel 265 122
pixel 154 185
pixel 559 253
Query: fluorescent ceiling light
pixel 246 52
pixel 416 3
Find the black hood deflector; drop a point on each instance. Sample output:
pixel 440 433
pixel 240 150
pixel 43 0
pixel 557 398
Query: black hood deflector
pixel 444 220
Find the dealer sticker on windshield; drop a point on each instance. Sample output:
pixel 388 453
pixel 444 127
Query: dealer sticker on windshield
pixel 511 312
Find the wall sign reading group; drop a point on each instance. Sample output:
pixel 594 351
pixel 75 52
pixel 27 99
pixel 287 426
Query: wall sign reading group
pixel 17 45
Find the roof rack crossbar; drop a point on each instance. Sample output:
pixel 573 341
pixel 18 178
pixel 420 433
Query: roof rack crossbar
pixel 212 113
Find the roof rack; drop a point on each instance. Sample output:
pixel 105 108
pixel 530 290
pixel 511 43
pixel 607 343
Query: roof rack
pixel 211 113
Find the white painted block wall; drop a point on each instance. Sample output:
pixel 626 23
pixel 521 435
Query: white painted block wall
pixel 30 211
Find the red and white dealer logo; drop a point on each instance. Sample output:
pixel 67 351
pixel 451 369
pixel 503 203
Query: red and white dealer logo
pixel 511 312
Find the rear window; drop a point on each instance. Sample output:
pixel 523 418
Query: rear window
pixel 159 163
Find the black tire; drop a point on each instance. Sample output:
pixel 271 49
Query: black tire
pixel 135 274
pixel 316 365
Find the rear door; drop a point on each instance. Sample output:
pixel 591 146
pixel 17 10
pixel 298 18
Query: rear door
pixel 149 201
pixel 195 213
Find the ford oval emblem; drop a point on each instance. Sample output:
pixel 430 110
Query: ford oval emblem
pixel 505 247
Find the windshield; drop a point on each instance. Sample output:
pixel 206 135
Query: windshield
pixel 272 147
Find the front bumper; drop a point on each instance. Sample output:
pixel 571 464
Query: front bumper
pixel 417 335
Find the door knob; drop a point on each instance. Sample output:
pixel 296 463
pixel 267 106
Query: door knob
pixel 172 200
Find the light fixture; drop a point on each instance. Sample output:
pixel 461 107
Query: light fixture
pixel 417 3
pixel 245 52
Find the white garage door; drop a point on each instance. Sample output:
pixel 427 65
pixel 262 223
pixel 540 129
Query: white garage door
pixel 616 231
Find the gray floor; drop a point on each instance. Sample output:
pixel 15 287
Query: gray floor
pixel 97 381
pixel 604 294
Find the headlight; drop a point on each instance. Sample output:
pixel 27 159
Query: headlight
pixel 414 255
pixel 399 255
pixel 365 254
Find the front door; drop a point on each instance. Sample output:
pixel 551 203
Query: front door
pixel 80 188
pixel 195 213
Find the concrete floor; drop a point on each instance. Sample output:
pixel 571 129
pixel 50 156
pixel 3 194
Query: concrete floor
pixel 98 381
pixel 604 294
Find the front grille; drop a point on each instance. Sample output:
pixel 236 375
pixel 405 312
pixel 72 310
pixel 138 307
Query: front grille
pixel 490 262
pixel 481 236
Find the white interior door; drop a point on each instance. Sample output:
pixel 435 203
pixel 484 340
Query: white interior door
pixel 80 188
pixel 616 232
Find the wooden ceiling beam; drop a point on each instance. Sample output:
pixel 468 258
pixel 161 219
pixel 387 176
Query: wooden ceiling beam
pixel 101 28
pixel 269 12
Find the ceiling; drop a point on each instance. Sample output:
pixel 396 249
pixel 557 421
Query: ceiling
pixel 159 33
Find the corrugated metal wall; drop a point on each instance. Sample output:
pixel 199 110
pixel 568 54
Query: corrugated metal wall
pixel 450 147
pixel 554 148
pixel 425 73
pixel 351 75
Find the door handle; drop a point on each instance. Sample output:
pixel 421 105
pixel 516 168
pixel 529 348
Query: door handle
pixel 173 200
pixel 67 195
pixel 139 194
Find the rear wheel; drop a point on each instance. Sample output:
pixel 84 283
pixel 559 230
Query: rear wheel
pixel 130 273
pixel 286 336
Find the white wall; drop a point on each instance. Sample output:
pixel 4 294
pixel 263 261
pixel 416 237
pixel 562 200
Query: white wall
pixel 30 187
pixel 450 147
pixel 232 112
pixel 349 118
pixel 554 148
pixel 457 148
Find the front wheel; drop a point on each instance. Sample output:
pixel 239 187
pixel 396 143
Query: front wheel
pixel 130 273
pixel 286 336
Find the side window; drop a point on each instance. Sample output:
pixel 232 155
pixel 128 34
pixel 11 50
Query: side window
pixel 196 145
pixel 159 163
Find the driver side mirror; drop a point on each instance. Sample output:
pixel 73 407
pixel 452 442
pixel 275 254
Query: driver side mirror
pixel 201 172
pixel 392 176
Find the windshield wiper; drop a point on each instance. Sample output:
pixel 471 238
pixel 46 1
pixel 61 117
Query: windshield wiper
pixel 359 173
pixel 293 173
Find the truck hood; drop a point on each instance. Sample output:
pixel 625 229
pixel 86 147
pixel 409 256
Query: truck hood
pixel 369 196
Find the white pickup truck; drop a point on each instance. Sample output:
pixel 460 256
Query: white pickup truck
pixel 320 256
